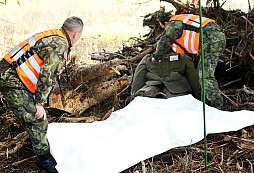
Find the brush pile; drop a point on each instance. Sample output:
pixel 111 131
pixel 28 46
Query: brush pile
pixel 91 93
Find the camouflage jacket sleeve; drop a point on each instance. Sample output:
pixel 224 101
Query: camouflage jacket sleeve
pixel 54 52
pixel 171 32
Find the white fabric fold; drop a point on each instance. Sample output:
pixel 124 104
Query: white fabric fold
pixel 144 128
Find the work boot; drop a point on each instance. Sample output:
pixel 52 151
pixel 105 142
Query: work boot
pixel 47 163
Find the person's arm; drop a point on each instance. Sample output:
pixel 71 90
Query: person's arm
pixel 172 32
pixel 54 55
pixel 139 77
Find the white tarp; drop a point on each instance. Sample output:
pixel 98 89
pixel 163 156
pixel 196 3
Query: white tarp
pixel 144 128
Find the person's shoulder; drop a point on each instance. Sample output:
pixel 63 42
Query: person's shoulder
pixel 52 42
pixel 175 23
pixel 55 39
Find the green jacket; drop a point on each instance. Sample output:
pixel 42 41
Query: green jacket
pixel 179 76
pixel 54 51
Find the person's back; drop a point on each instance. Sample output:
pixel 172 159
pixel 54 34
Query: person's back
pixel 174 75
pixel 49 48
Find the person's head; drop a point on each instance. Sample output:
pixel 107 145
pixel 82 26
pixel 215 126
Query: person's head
pixel 164 19
pixel 74 27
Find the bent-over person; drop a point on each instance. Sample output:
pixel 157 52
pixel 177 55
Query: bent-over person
pixel 27 75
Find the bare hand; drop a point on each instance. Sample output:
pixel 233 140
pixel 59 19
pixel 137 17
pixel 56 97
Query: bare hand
pixel 154 61
pixel 40 113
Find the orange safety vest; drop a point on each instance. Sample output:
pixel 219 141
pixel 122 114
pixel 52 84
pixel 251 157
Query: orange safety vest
pixel 189 40
pixel 26 61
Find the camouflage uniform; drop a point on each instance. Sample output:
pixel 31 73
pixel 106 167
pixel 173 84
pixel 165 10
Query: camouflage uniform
pixel 53 50
pixel 214 45
pixel 174 76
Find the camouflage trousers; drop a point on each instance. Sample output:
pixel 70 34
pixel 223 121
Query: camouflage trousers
pixel 22 104
pixel 214 45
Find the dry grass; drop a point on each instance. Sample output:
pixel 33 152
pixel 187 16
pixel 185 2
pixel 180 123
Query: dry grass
pixel 107 23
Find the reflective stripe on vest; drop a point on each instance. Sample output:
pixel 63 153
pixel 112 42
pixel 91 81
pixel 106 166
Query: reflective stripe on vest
pixel 189 40
pixel 26 61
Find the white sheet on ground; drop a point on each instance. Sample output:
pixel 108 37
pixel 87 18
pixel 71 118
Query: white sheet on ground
pixel 144 128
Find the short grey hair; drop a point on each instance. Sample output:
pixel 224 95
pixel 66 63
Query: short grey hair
pixel 73 24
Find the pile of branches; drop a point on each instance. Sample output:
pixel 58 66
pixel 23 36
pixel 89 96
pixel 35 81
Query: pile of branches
pixel 85 86
pixel 235 70
pixel 92 93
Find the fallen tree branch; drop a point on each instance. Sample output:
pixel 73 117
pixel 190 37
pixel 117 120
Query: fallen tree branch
pixel 144 53
pixel 18 145
pixel 181 7
pixel 230 158
pixel 234 103
pixel 248 20
pixel 247 90
pixel 105 56
pixel 251 165
pixel 24 160
pixel 83 74
pixel 15 140
pixel 90 95
pixel 228 137
pixel 231 82
pixel 108 114
pixel 89 119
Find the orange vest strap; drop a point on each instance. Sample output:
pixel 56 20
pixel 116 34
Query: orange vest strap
pixel 189 40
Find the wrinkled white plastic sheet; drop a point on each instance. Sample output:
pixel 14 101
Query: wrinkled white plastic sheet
pixel 144 128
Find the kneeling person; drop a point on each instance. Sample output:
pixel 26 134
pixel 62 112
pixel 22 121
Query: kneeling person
pixel 175 75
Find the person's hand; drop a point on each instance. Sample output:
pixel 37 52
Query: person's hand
pixel 40 113
pixel 154 60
